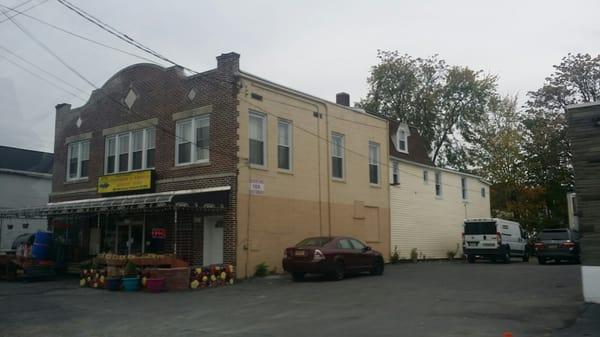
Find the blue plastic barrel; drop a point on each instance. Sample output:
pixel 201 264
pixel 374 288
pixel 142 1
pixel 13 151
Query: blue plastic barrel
pixel 41 245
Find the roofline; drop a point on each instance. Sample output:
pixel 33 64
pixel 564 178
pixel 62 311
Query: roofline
pixel 272 84
pixel 582 105
pixel 441 169
pixel 27 173
pixel 22 149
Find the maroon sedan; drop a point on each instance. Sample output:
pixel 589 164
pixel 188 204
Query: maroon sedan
pixel 331 256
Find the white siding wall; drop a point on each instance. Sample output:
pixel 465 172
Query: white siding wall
pixel 432 225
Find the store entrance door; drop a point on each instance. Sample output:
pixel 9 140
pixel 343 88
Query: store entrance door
pixel 130 238
pixel 213 240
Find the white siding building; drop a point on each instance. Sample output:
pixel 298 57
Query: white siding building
pixel 25 181
pixel 428 204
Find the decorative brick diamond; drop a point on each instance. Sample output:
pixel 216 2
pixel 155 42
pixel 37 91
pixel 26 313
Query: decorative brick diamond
pixel 78 122
pixel 191 95
pixel 130 98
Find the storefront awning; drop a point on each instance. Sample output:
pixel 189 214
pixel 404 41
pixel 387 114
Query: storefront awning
pixel 213 197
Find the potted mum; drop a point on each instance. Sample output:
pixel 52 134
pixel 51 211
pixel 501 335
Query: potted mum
pixel 131 281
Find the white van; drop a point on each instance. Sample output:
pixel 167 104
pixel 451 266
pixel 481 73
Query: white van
pixel 494 238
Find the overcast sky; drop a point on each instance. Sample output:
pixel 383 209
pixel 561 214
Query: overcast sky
pixel 320 47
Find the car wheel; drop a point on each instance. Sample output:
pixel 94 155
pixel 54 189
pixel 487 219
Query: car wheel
pixel 298 276
pixel 526 257
pixel 541 260
pixel 577 260
pixel 471 258
pixel 338 271
pixel 377 268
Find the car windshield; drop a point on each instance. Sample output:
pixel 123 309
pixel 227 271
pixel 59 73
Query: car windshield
pixel 554 235
pixel 476 228
pixel 314 242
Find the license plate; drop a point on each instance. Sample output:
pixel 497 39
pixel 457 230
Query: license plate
pixel 472 243
pixel 299 253
pixel 488 245
pixel 552 246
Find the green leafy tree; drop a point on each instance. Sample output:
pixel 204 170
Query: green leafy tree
pixel 446 103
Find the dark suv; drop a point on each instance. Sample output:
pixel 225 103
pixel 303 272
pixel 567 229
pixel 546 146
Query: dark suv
pixel 557 245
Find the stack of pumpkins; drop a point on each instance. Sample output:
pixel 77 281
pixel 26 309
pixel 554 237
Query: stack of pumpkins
pixel 212 276
pixel 92 278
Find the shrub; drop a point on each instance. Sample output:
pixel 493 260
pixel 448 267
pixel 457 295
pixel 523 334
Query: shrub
pixel 130 270
pixel 395 258
pixel 452 253
pixel 261 270
pixel 414 255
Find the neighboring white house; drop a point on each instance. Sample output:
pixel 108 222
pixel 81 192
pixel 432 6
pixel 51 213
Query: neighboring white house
pixel 429 204
pixel 572 211
pixel 25 181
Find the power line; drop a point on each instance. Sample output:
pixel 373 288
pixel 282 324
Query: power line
pixel 25 10
pixel 42 69
pixel 118 34
pixel 41 78
pixel 138 45
pixel 41 44
pixel 76 35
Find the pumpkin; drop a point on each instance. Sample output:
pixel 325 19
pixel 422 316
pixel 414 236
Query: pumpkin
pixel 194 284
pixel 82 282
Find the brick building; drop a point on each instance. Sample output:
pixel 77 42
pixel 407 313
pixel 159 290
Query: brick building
pixel 217 167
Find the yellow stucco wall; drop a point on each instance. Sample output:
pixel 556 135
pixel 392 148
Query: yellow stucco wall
pixel 306 201
pixel 431 224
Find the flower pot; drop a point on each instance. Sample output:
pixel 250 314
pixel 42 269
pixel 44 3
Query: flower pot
pixel 113 283
pixel 156 285
pixel 131 283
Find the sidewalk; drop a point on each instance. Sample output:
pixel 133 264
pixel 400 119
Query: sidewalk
pixel 587 324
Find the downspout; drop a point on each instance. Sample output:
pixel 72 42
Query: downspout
pixel 328 169
pixel 175 231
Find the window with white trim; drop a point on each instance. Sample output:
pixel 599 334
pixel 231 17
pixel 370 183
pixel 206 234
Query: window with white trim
pixel 483 192
pixel 284 145
pixel 337 155
pixel 78 155
pixel 463 188
pixel 438 184
pixel 374 163
pixel 395 173
pixel 193 140
pixel 426 176
pixel 402 139
pixel 130 151
pixel 257 138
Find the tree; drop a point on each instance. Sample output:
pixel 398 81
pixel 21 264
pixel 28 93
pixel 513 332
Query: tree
pixel 446 103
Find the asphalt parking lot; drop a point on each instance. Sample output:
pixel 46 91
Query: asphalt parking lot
pixel 423 299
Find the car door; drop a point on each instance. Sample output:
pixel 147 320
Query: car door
pixel 348 253
pixel 364 257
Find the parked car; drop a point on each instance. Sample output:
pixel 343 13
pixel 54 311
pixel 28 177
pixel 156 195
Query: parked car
pixel 557 245
pixel 331 256
pixel 494 239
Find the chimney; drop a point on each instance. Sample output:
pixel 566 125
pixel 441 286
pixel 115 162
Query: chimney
pixel 62 107
pixel 229 62
pixel 342 98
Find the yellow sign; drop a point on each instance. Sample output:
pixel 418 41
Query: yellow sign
pixel 130 181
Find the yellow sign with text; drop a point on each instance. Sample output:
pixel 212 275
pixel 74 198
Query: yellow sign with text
pixel 130 181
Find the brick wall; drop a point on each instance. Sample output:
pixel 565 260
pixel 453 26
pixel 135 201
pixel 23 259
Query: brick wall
pixel 160 92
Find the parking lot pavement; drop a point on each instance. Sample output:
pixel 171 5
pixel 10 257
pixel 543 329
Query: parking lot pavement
pixel 423 299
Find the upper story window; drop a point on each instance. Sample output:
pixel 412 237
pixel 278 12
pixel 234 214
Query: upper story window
pixel 78 154
pixel 426 176
pixel 438 184
pixel 284 145
pixel 374 163
pixel 483 192
pixel 193 140
pixel 395 173
pixel 130 151
pixel 463 188
pixel 257 136
pixel 337 155
pixel 402 138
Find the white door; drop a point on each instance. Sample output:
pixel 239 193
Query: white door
pixel 213 240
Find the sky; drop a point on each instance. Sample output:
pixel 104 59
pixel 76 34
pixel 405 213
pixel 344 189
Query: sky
pixel 319 47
